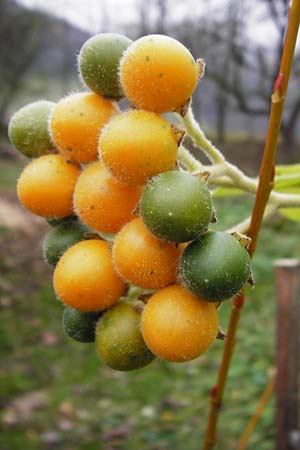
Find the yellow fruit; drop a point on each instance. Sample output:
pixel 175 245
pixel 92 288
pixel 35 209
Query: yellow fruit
pixel 102 202
pixel 85 279
pixel 137 145
pixel 46 186
pixel 158 73
pixel 144 260
pixel 76 122
pixel 177 325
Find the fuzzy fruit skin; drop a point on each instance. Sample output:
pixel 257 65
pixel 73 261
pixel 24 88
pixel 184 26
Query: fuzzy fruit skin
pixel 215 266
pixel 144 260
pixel 28 129
pixel 98 63
pixel 85 279
pixel 102 202
pixel 75 124
pixel 60 238
pixel 46 186
pixel 158 73
pixel 177 325
pixel 137 145
pixel 119 340
pixel 176 206
pixel 80 326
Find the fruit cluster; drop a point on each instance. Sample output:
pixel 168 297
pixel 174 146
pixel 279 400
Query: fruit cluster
pixel 134 262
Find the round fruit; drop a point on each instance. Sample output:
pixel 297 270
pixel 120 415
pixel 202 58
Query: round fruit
pixel 80 326
pixel 99 61
pixel 85 279
pixel 176 206
pixel 144 260
pixel 215 266
pixel 137 145
pixel 28 129
pixel 158 73
pixel 76 122
pixel 46 186
pixel 119 340
pixel 177 325
pixel 102 202
pixel 60 238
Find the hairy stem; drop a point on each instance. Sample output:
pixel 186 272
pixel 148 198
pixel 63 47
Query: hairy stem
pixel 200 140
pixel 226 174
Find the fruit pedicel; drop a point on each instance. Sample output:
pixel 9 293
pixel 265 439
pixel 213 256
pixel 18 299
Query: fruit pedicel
pixel 136 265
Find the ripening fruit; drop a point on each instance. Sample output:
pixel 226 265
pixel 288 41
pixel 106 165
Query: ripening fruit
pixel 28 129
pixel 119 340
pixel 176 206
pixel 80 326
pixel 177 325
pixel 137 145
pixel 144 260
pixel 76 122
pixel 85 279
pixel 60 238
pixel 215 266
pixel 158 73
pixel 46 186
pixel 102 202
pixel 98 63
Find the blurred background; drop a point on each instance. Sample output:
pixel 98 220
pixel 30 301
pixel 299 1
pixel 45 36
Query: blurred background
pixel 54 393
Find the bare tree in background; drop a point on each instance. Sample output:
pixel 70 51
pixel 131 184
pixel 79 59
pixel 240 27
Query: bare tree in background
pixel 22 32
pixel 251 69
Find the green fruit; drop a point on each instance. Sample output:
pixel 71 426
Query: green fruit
pixel 55 222
pixel 215 266
pixel 176 206
pixel 80 326
pixel 119 340
pixel 60 238
pixel 28 129
pixel 99 62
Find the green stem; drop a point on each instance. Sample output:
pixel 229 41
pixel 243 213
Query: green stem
pixel 227 174
pixel 200 140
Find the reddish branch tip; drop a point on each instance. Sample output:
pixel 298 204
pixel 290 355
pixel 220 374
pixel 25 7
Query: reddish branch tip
pixel 213 392
pixel 278 85
pixel 273 174
pixel 239 301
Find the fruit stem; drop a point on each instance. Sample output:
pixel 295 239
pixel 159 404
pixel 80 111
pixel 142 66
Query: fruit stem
pixel 226 174
pixel 199 139
pixel 188 160
pixel 243 226
pixel 265 186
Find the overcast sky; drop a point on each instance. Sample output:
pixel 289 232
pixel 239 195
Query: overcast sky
pixel 90 15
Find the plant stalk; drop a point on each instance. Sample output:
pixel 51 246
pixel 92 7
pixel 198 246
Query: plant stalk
pixel 265 186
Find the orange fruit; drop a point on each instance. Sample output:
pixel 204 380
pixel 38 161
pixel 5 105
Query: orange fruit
pixel 144 260
pixel 46 186
pixel 177 325
pixel 85 279
pixel 76 122
pixel 137 145
pixel 102 202
pixel 158 73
